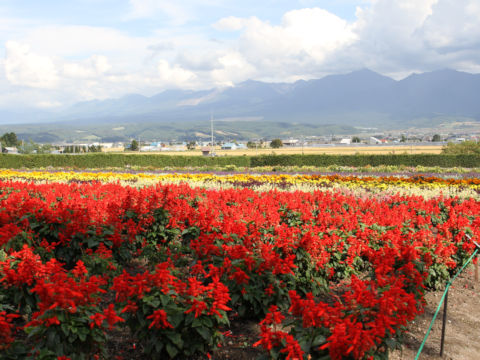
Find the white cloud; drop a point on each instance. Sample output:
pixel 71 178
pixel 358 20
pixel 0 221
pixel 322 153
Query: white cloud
pixel 318 31
pixel 412 35
pixel 230 23
pixel 72 41
pixel 174 75
pixel 392 37
pixel 232 68
pixel 296 47
pixel 93 67
pixel 47 64
pixel 48 104
pixel 453 24
pixel 25 68
pixel 177 14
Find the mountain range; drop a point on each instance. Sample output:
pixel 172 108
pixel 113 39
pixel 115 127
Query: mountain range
pixel 362 98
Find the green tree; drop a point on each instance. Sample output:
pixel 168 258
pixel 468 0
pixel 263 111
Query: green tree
pixel 191 145
pixel 466 147
pixel 44 149
pixel 28 147
pixel 436 138
pixel 95 148
pixel 251 145
pixel 356 139
pixel 403 138
pixel 9 139
pixel 134 145
pixel 276 144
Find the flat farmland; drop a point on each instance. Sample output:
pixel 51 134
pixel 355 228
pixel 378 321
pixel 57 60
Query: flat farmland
pixel 327 149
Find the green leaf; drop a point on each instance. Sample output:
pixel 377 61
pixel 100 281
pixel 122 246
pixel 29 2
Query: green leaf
pixel 188 319
pixel 304 344
pixel 172 350
pixel 235 298
pixel 51 338
pixel 176 338
pixel 204 332
pixel 65 329
pixel 82 336
pixel 176 319
pixel 92 242
pixel 206 321
pixel 319 340
pixel 158 347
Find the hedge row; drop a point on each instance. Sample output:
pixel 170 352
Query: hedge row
pixel 146 160
pixel 117 160
pixel 441 160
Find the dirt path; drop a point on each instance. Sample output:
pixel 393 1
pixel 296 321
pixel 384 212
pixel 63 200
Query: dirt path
pixel 462 338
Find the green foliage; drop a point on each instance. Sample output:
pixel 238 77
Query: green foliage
pixel 185 333
pixel 74 149
pixel 356 140
pixel 104 160
pixel 251 300
pixel 72 336
pixel 30 147
pixel 134 145
pixel 276 144
pixel 160 239
pixel 436 138
pixel 9 139
pixel 27 147
pixel 191 145
pixel 251 145
pixel 468 161
pixel 463 148
pixel 95 148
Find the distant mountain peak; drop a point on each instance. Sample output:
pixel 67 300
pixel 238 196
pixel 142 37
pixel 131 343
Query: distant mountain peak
pixel 364 71
pixel 335 98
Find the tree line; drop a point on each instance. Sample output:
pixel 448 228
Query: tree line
pixel 10 139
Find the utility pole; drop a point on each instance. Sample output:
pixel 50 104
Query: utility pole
pixel 212 148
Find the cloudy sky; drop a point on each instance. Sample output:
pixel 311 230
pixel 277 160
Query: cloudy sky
pixel 55 52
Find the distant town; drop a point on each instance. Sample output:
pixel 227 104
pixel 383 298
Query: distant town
pixel 10 144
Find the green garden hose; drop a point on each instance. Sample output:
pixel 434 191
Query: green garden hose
pixel 441 302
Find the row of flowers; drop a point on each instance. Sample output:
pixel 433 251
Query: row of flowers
pixel 464 187
pixel 326 274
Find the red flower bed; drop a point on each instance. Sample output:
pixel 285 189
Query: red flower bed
pixel 329 274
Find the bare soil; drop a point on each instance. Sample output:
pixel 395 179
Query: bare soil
pixel 462 334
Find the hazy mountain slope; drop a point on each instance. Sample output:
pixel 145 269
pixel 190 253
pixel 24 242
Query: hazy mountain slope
pixel 444 92
pixel 361 98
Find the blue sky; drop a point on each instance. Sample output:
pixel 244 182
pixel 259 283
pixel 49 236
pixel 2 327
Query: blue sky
pixel 54 53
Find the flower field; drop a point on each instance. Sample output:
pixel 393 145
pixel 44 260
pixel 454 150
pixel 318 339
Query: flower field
pixel 335 271
pixel 424 185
